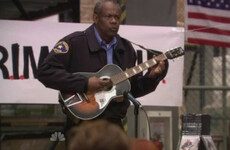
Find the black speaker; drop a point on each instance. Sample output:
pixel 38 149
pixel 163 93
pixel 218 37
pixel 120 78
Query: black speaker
pixel 195 124
pixel 195 132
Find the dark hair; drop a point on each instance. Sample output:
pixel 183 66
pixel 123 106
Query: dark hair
pixel 97 135
pixel 98 5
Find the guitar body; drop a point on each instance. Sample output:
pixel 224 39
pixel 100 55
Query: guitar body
pixel 88 106
pixel 85 106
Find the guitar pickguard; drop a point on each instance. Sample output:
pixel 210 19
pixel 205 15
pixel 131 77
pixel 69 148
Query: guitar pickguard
pixel 103 97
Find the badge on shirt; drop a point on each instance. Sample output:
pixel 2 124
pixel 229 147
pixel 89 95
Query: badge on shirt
pixel 61 47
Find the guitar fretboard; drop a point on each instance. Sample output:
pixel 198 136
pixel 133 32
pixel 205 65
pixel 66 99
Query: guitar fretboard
pixel 137 69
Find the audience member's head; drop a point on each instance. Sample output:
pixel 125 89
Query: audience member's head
pixel 97 135
pixel 142 144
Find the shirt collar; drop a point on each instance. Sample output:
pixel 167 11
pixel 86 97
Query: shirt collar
pixel 102 42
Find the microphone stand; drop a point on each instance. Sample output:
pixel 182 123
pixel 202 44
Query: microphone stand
pixel 137 105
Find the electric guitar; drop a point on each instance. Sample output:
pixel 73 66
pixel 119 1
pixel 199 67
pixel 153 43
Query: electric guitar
pixel 88 106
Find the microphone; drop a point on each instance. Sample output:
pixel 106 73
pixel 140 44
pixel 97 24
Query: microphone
pixel 135 102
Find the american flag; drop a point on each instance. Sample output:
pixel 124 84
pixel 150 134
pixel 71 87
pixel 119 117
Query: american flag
pixel 208 22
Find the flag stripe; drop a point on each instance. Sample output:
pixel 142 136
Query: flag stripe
pixel 209 36
pixel 209 17
pixel 208 30
pixel 208 24
pixel 208 42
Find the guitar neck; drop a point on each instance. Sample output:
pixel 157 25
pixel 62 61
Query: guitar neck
pixel 137 69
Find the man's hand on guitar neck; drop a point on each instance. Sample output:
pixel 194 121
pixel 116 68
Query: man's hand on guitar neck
pixel 157 70
pixel 96 84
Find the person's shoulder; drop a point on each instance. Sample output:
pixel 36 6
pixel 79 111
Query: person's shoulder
pixel 125 42
pixel 79 34
pixel 122 39
pixel 75 34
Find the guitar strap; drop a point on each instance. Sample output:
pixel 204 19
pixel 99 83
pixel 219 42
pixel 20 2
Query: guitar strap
pixel 152 51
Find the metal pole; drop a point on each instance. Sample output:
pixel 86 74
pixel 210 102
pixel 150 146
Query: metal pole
pixel 202 76
pixel 216 88
pixel 224 97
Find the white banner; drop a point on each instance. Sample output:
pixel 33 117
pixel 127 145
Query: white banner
pixel 22 41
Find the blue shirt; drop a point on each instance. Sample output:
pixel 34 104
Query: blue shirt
pixel 108 47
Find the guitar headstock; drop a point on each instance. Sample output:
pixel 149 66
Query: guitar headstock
pixel 174 53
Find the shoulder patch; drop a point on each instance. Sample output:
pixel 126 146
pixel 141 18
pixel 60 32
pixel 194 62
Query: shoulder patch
pixel 61 47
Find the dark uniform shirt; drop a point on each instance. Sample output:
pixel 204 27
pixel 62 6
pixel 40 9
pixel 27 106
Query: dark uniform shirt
pixel 80 52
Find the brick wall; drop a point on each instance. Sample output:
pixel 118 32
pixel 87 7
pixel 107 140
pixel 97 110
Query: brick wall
pixel 86 10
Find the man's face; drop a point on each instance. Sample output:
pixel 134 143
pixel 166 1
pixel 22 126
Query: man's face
pixel 107 21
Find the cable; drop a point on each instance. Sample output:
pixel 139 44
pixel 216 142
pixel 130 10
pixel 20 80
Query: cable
pixel 148 121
